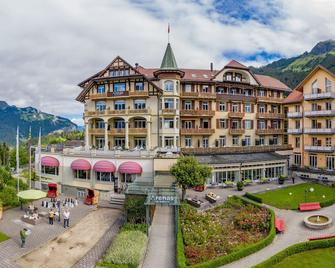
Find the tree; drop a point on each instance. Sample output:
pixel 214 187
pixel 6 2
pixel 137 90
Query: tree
pixel 24 158
pixel 189 173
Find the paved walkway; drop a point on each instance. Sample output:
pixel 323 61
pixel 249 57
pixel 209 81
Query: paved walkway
pixel 161 248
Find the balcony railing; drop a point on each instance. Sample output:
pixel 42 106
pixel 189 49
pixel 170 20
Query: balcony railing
pixel 236 114
pixel 326 149
pixel 204 95
pixel 318 96
pixel 236 131
pixel 96 131
pixel 319 130
pixel 197 131
pixel 138 93
pixel 270 99
pixel 270 131
pixel 135 131
pixel 294 114
pixel 197 112
pixel 189 94
pixel 116 131
pixel 118 112
pixel 270 115
pixel 294 131
pixel 169 111
pixel 320 113
pixel 234 97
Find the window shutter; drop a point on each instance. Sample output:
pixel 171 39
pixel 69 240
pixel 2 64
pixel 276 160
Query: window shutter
pixel 252 108
pixel 228 124
pixel 229 106
pixel 252 124
pixel 217 123
pixel 218 106
pixel 243 124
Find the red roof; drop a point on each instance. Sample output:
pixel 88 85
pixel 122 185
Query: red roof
pixel 49 161
pixel 80 164
pixel 104 166
pixel 270 82
pixel 294 97
pixel 130 167
pixel 236 64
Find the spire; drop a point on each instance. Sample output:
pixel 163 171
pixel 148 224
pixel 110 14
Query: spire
pixel 169 61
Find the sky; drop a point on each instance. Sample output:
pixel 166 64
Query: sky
pixel 48 46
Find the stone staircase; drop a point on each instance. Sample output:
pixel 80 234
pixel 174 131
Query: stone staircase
pixel 116 201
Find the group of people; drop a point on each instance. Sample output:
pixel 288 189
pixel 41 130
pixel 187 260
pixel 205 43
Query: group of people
pixel 55 211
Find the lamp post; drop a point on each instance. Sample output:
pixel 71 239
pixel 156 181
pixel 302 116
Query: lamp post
pixel 308 190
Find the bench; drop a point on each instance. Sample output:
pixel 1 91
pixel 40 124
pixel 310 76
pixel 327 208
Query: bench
pixel 279 224
pixel 309 206
pixel 321 237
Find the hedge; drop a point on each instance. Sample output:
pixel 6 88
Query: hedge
pixel 327 203
pixel 243 252
pixel 294 249
pixel 254 197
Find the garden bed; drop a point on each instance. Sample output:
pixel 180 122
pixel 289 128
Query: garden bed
pixel 3 237
pixel 290 197
pixel 224 234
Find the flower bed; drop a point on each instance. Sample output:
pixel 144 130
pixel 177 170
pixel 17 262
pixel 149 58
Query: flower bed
pixel 3 237
pixel 226 233
pixel 127 250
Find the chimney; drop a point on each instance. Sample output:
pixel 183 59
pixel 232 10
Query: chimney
pixel 211 66
pixel 136 65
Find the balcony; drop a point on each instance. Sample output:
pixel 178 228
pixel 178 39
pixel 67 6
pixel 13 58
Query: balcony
pixel 322 149
pixel 169 111
pixel 138 94
pixel 294 115
pixel 270 131
pixel 94 113
pixel 197 112
pixel 320 113
pixel 319 130
pixel 117 131
pixel 96 131
pixel 203 95
pixel 98 96
pixel 197 131
pixel 139 111
pixel 235 114
pixel 235 97
pixel 236 131
pixel 118 112
pixel 270 115
pixel 320 96
pixel 189 94
pixel 137 131
pixel 295 131
pixel 269 99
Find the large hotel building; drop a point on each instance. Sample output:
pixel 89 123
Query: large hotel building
pixel 139 120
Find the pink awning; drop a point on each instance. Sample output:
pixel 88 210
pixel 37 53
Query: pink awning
pixel 130 168
pixel 104 166
pixel 49 161
pixel 80 164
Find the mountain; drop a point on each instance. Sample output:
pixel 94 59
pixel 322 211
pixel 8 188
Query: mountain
pixel 293 70
pixel 12 116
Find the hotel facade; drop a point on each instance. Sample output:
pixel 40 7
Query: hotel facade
pixel 139 120
pixel 311 125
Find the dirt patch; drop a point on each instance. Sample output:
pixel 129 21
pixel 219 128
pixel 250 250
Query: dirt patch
pixel 71 246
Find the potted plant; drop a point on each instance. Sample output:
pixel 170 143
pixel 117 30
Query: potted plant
pixel 247 182
pixel 240 185
pixel 281 179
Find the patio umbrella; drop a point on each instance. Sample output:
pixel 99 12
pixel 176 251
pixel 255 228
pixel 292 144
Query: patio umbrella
pixel 31 194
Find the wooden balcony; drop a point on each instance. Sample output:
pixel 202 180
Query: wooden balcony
pixel 118 112
pixel 197 113
pixel 202 95
pixel 96 131
pixel 138 94
pixel 119 94
pixel 117 131
pixel 270 115
pixel 197 131
pixel 99 96
pixel 269 99
pixel 270 131
pixel 189 94
pixel 235 115
pixel 236 97
pixel 137 131
pixel 236 131
pixel 320 113
pixel 320 95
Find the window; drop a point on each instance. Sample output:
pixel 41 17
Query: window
pixel 100 142
pixel 100 124
pixel 261 140
pixel 297 124
pixel 248 124
pixel 229 76
pixel 100 106
pixel 205 123
pixel 168 142
pixel 205 105
pixel 314 123
pixel 220 90
pixel 261 93
pixel 235 107
pixel 168 86
pixel 328 105
pixel 261 124
pixel 50 170
pixel 329 85
pixel 235 124
pixel 275 139
pixel 119 142
pixel 297 159
pixel 168 103
pixel 328 123
pixel 233 91
pixel 139 86
pixel 297 108
pixel 140 143
pixel 328 141
pixel 297 142
pixel 119 72
pixel 188 141
pixel 139 123
pixel 82 174
pixel 222 123
pixel 168 123
pixel 314 141
pixel 120 105
pixel 119 123
pixel 188 105
pixel 315 87
pixel 261 108
pixel 222 106
pixel 188 124
pixel 101 89
pixel 188 88
pixel 330 162
pixel 314 106
pixel 238 77
pixel 105 176
pixel 247 140
pixel 313 161
pixel 222 141
pixel 235 140
pixel 119 87
pixel 205 142
pixel 205 88
pixel 139 104
pixel 247 107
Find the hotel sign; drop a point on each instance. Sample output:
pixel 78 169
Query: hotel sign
pixel 163 199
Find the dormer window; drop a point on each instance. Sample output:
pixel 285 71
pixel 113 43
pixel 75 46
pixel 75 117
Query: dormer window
pixel 188 88
pixel 168 86
pixel 229 76
pixel 205 88
pixel 101 89
pixel 238 77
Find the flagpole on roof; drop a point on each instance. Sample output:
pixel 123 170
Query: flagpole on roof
pixel 29 149
pixel 168 32
pixel 17 158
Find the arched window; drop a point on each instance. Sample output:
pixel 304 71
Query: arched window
pixel 168 85
pixel 100 106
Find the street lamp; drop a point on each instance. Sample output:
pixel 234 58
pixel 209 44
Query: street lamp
pixel 308 190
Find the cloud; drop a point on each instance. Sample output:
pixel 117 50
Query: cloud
pixel 47 47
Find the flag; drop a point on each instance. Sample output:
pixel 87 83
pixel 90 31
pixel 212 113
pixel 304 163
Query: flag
pixel 17 150
pixel 39 148
pixel 29 152
pixel 169 28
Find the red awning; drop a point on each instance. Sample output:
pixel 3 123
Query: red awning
pixel 80 164
pixel 104 166
pixel 49 161
pixel 130 168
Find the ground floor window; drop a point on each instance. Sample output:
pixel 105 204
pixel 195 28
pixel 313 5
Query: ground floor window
pixel 119 142
pixel 222 141
pixel 100 142
pixel 274 172
pixel 128 178
pixel 82 174
pixel 50 170
pixel 297 159
pixel 205 142
pixel 223 176
pixel 105 176
pixel 188 141
pixel 140 142
pixel 313 161
pixel 330 162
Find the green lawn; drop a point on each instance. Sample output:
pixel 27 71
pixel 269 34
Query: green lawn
pixel 3 237
pixel 282 198
pixel 316 258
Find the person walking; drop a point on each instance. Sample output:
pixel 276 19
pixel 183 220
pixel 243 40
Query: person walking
pixel 51 217
pixel 66 216
pixel 23 236
pixel 293 179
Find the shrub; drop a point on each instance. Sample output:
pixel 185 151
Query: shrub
pixel 135 209
pixel 281 179
pixel 8 196
pixel 294 249
pixel 128 248
pixel 253 197
pixel 134 227
pixel 240 185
